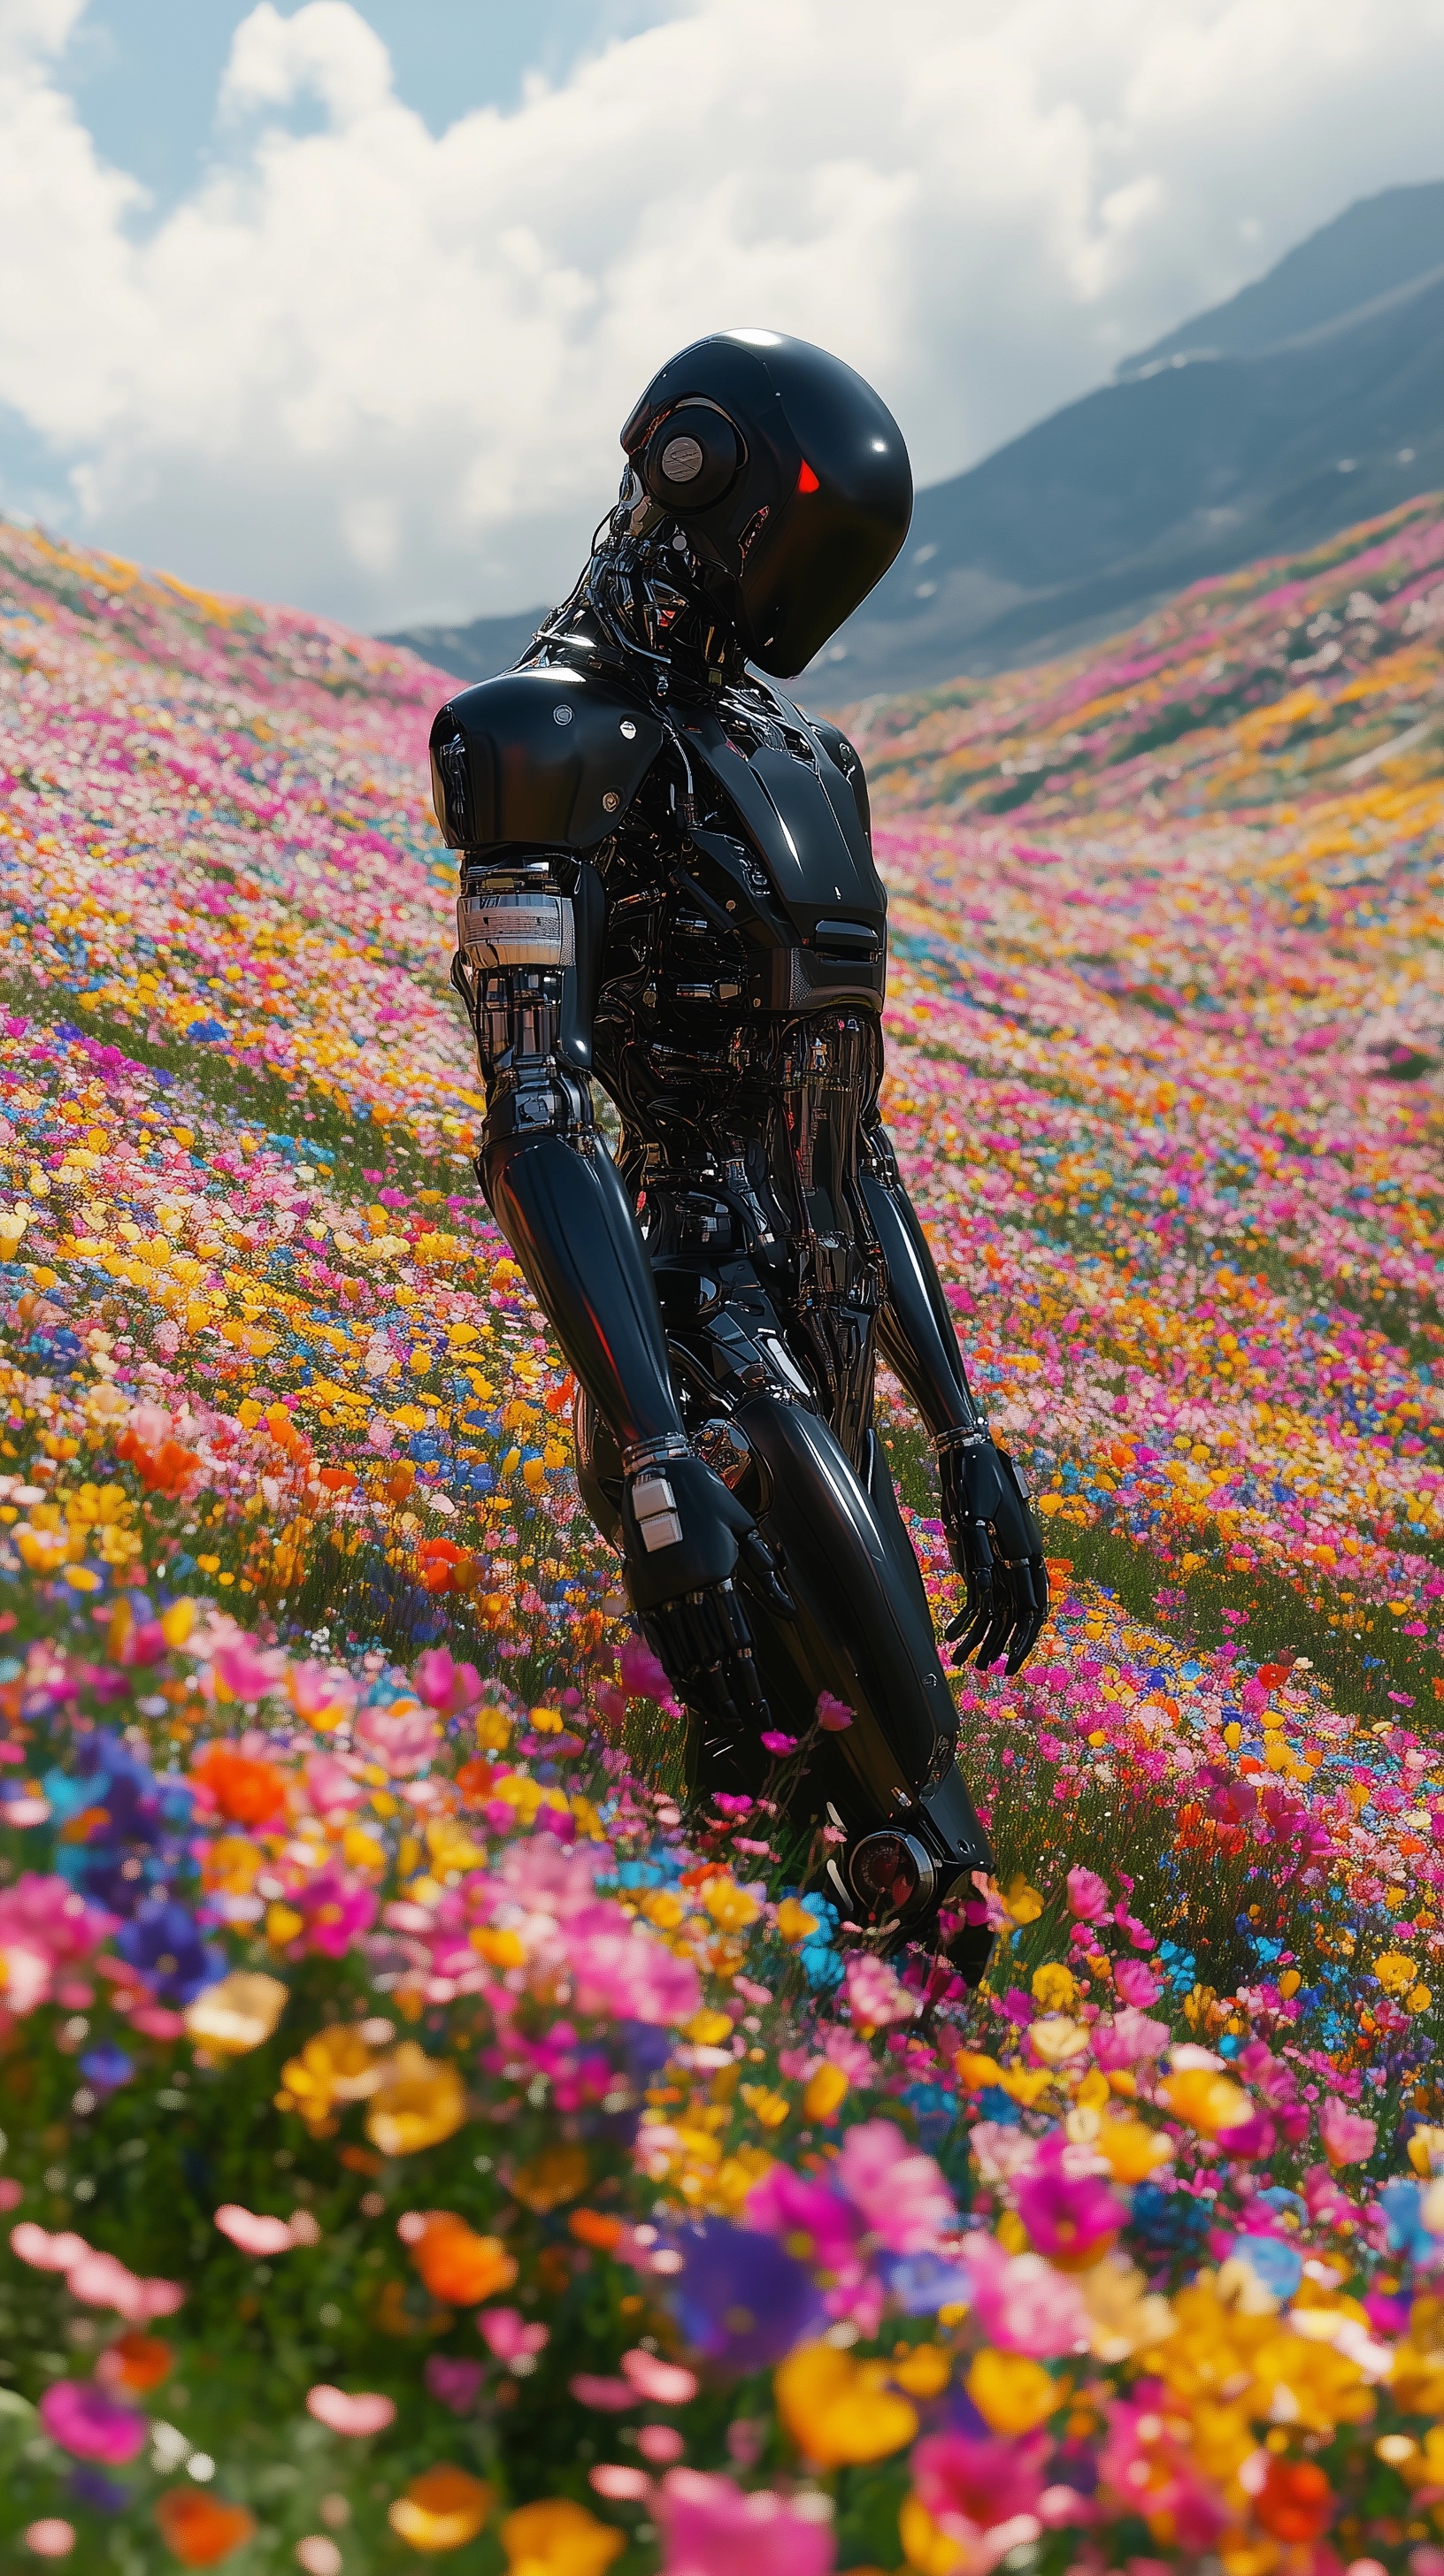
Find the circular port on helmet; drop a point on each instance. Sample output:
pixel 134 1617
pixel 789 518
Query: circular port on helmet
pixel 891 1872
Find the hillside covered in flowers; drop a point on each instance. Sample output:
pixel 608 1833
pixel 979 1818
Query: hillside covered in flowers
pixel 420 2137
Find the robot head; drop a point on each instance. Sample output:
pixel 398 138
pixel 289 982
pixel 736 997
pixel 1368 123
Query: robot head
pixel 788 476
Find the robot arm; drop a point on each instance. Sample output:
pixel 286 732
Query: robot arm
pixel 993 1536
pixel 529 927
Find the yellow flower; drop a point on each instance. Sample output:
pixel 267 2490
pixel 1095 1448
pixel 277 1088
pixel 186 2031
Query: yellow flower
pixel 499 1947
pixel 237 2014
pixel 1308 2383
pixel 421 2101
pixel 1021 1902
pixel 560 2173
pixel 1207 2101
pixel 770 2108
pixel 925 2546
pixel 975 2071
pixel 1012 2394
pixel 824 2092
pixel 924 2370
pixel 1124 2316
pixel 840 2411
pixel 558 2538
pixel 793 1920
pixel 442 2509
pixel 1054 1987
pixel 1057 2039
pixel 708 2027
pixel 493 1730
pixel 1132 2152
pixel 665 1908
pixel 730 1906
pixel 335 2066
pixel 282 1925
pixel 1394 1972
pixel 231 1865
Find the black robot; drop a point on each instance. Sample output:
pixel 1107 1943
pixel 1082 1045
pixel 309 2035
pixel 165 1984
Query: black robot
pixel 667 885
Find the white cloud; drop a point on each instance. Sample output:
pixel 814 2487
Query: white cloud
pixel 382 372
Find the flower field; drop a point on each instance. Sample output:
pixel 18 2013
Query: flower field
pixel 421 2139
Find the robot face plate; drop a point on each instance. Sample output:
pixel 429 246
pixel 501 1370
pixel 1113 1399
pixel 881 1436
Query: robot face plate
pixel 789 476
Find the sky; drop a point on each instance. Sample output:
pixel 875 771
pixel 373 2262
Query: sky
pixel 344 303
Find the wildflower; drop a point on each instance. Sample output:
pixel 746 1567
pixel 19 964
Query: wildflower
pixel 794 1922
pixel 1072 2219
pixel 1022 2303
pixel 1124 2316
pixel 1012 2394
pixel 324 1699
pixel 731 1907
pixel 558 2538
pixel 237 2013
pixel 163 1943
pixel 454 2383
pixel 356 2416
pixel 442 2509
pixel 91 2426
pixel 833 1715
pixel 900 2195
pixel 51 2537
pixel 404 1737
pixel 1088 1898
pixel 1054 1988
pixel 875 1997
pixel 1207 2101
pixel 458 2266
pixel 839 2411
pixel 972 2502
pixel 1348 2138
pixel 508 2336
pixel 741 2300
pixel 711 2527
pixel 824 2093
pixel 245 1790
pixel 420 2101
pixel 1296 2502
pixel 138 2362
pixel 335 2066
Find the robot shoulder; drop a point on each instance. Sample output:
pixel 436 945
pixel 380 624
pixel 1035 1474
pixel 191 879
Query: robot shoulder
pixel 842 755
pixel 547 755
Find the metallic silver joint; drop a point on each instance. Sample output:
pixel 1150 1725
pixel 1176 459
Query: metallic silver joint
pixel 655 1453
pixel 968 1436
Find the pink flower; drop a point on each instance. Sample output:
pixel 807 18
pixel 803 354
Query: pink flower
pixel 660 2443
pixel 711 2528
pixel 253 2234
pixel 608 2396
pixel 44 1928
pixel 642 1675
pixel 90 2425
pixel 1148 2471
pixel 334 1909
pixel 50 2537
pixel 777 1743
pixel 402 1737
pixel 1138 1985
pixel 1088 1897
pixel 1130 2039
pixel 1022 2304
pixel 900 2194
pixel 507 2335
pixel 1072 2218
pixel 810 2220
pixel 983 2494
pixel 875 1996
pixel 833 1715
pixel 627 1975
pixel 322 1697
pixel 239 1672
pixel 435 1674
pixel 453 2382
pixel 365 2413
pixel 329 1784
pixel 1348 2138
pixel 664 2383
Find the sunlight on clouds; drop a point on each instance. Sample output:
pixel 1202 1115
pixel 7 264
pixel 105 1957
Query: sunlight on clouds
pixel 382 371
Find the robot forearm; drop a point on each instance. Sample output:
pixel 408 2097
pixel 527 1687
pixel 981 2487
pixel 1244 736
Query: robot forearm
pixel 915 1327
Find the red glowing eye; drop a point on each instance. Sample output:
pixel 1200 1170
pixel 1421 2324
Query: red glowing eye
pixel 807 481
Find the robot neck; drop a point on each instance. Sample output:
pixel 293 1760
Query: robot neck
pixel 646 587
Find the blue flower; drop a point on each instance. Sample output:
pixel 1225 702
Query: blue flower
pixel 920 2284
pixel 106 2067
pixel 1402 2204
pixel 1278 2266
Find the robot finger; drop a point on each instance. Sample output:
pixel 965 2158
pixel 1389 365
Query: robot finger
pixel 1030 1581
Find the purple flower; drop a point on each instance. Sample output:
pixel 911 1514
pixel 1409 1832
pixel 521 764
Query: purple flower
pixel 1072 2218
pixel 741 2300
pixel 164 1944
pixel 833 1715
pixel 90 2425
pixel 804 2216
pixel 92 2487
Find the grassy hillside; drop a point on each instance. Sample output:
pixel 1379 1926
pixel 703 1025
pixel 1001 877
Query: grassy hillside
pixel 420 2140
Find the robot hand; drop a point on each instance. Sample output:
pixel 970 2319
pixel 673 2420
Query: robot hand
pixel 685 1541
pixel 997 1547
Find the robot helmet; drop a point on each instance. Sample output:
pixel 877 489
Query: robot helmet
pixel 789 478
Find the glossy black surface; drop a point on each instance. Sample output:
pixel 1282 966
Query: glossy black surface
pixel 715 958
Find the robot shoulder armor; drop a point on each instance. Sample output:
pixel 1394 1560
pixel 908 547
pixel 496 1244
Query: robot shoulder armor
pixel 542 755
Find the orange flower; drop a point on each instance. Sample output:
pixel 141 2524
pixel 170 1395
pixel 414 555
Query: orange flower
pixel 247 1791
pixel 137 2361
pixel 198 2529
pixel 457 2265
pixel 442 2509
pixel 1296 2502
